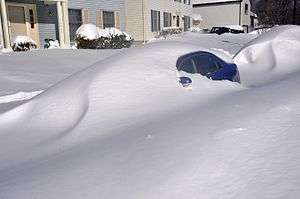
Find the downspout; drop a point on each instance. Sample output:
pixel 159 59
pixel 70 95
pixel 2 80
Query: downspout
pixel 1 34
pixel 240 15
pixel 143 15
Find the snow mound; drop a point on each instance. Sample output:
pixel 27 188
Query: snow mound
pixel 88 32
pixel 116 89
pixel 23 40
pixel 92 32
pixel 270 56
pixel 23 43
pixel 114 31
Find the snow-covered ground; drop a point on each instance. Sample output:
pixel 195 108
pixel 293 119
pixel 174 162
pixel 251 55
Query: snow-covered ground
pixel 39 69
pixel 124 128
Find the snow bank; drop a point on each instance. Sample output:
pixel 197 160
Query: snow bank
pixel 119 88
pixel 124 128
pixel 271 56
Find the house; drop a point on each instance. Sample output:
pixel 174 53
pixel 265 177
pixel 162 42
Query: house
pixel 56 19
pixel 224 12
pixel 59 19
pixel 145 18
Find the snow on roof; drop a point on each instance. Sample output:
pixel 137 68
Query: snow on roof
pixel 197 17
pixel 212 1
pixel 235 27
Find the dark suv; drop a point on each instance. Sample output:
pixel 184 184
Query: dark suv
pixel 222 30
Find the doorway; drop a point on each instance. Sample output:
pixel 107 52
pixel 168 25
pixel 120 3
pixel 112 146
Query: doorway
pixel 22 21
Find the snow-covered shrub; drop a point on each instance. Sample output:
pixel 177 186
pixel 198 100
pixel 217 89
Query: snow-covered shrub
pixel 51 44
pixel 167 31
pixel 86 43
pixel 23 43
pixel 89 36
pixel 196 29
pixel 88 32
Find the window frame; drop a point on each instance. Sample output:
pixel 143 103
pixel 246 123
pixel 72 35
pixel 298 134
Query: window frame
pixel 155 21
pixel 108 24
pixel 167 19
pixel 190 56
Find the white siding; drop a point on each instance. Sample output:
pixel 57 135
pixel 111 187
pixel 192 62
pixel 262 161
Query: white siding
pixel 223 14
pixel 94 5
pixel 139 22
pixel 134 19
pixel 175 8
pixel 218 14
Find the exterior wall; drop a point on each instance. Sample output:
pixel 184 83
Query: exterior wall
pixel 94 5
pixel 46 17
pixel 176 8
pixel 246 19
pixel 135 15
pixel 218 14
pixel 47 14
pixel 139 21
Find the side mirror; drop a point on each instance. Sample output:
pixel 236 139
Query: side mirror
pixel 185 81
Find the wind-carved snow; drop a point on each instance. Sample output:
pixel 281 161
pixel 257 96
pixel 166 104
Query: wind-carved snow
pixel 20 96
pixel 270 57
pixel 125 128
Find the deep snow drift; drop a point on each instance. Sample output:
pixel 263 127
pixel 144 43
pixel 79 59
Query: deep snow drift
pixel 271 56
pixel 125 128
pixel 40 69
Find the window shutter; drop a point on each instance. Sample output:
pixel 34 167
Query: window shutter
pixel 86 16
pixel 99 18
pixel 117 20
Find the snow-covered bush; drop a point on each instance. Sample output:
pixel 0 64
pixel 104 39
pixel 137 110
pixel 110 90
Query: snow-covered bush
pixel 23 43
pixel 88 36
pixel 51 44
pixel 196 29
pixel 167 31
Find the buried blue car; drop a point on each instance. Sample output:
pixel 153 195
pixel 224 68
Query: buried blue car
pixel 206 64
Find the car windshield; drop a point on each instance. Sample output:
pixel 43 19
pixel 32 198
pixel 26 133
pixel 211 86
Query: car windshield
pixel 205 64
pixel 220 30
pixel 199 63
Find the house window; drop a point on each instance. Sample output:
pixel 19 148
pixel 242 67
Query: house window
pixel 108 19
pixel 31 18
pixel 155 21
pixel 167 19
pixel 75 21
pixel 187 23
pixel 246 9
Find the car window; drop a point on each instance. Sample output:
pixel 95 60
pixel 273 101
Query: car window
pixel 205 64
pixel 187 66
